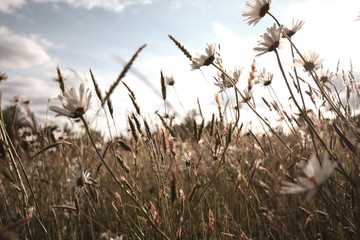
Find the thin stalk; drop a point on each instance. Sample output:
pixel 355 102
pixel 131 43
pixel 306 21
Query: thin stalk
pixel 308 121
pixel 112 173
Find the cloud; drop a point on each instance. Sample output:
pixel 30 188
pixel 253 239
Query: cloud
pixel 112 5
pixel 8 6
pixel 22 52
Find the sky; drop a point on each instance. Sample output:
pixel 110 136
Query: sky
pixel 76 35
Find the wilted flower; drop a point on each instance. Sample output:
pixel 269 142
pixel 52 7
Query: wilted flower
pixel 310 62
pixel 325 76
pixel 74 106
pixel 316 175
pixel 270 41
pixel 3 77
pixel 224 82
pixel 204 60
pixel 296 26
pixel 80 182
pixel 257 10
pixel 264 78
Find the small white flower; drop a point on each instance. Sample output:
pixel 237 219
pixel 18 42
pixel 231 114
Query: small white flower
pixel 246 95
pixel 264 78
pixel 3 77
pixel 224 82
pixel 80 182
pixel 74 106
pixel 59 134
pixel 169 80
pixel 296 26
pixel 204 59
pixel 316 175
pixel 311 61
pixel 325 76
pixel 185 161
pixel 270 40
pixel 257 10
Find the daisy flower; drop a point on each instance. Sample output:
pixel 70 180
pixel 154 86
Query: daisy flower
pixel 80 182
pixel 185 161
pixel 316 175
pixel 169 80
pixel 3 77
pixel 296 26
pixel 325 76
pixel 74 105
pixel 204 59
pixel 310 62
pixel 257 10
pixel 264 78
pixel 224 82
pixel 270 40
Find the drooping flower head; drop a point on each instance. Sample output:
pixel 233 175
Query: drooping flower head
pixel 296 26
pixel 270 40
pixel 257 10
pixel 310 61
pixel 223 81
pixel 264 78
pixel 74 105
pixel 204 59
pixel 316 175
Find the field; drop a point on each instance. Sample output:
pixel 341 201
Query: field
pixel 208 177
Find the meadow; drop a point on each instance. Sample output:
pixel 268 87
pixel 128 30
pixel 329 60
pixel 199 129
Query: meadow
pixel 206 177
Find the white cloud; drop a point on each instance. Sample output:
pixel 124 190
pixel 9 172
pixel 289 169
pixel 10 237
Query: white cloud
pixel 22 52
pixel 112 5
pixel 8 6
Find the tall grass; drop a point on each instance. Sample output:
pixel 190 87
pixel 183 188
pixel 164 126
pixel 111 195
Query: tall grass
pixel 206 178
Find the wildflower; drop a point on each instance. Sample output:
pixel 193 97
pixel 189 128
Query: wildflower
pixel 316 175
pixel 59 134
pixel 204 60
pixel 80 182
pixel 270 41
pixel 264 78
pixel 296 26
pixel 246 95
pixel 169 80
pixel 24 131
pixel 325 76
pixel 74 106
pixel 185 162
pixel 19 99
pixel 3 77
pixel 224 81
pixel 257 10
pixel 310 61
